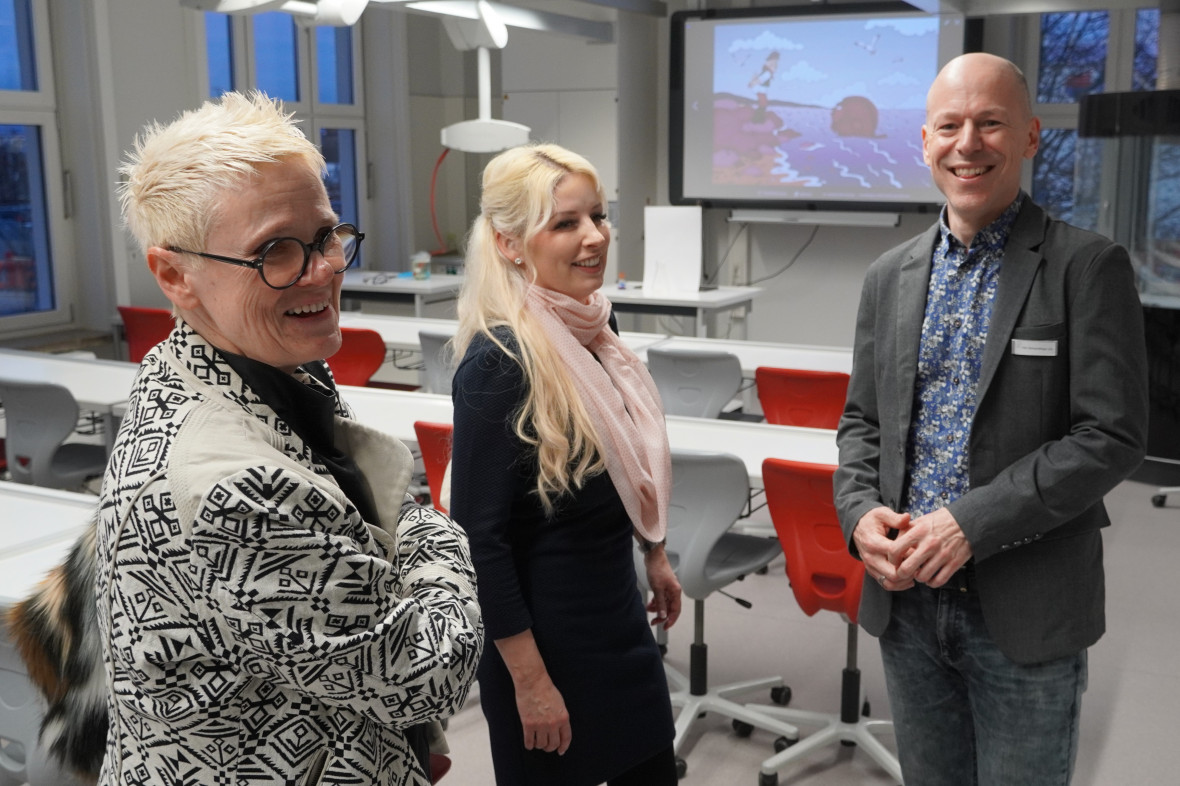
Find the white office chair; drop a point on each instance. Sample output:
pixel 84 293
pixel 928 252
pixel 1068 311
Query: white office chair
pixel 437 370
pixel 1160 497
pixel 40 416
pixel 692 382
pixel 22 759
pixel 708 494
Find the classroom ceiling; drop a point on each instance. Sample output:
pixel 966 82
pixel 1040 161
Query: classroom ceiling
pixel 605 10
pixel 595 19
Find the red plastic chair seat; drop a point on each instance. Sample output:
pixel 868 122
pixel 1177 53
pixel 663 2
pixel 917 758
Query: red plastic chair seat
pixel 823 574
pixel 799 397
pixel 361 353
pixel 143 328
pixel 434 441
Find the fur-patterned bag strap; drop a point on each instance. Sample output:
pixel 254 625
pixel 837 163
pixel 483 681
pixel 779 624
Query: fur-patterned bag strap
pixel 55 632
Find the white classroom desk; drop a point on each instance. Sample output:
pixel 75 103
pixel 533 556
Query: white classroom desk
pixel 635 300
pixel 394 412
pixel 401 333
pixel 388 286
pixel 36 531
pixel 100 386
pixel 752 354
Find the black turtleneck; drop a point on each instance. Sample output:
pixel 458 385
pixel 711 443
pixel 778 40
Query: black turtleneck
pixel 310 411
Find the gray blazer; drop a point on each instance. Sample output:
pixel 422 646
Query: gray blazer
pixel 1061 420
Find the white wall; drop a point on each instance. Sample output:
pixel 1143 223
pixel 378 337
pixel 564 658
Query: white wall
pixel 118 64
pixel 151 49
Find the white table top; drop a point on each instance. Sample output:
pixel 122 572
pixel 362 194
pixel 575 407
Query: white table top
pixel 392 282
pixel 721 297
pixel 394 412
pixel 97 385
pixel 400 332
pixel 38 527
pixel 396 331
pixel 753 354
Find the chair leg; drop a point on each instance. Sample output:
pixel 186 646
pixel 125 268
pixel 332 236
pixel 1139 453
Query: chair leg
pixel 694 697
pixel 847 727
pixel 1160 498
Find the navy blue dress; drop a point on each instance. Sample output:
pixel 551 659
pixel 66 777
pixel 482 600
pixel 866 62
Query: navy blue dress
pixel 571 579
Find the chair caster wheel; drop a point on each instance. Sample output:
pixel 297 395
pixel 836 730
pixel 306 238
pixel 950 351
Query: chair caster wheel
pixel 762 571
pixel 768 780
pixel 782 743
pixel 681 768
pixel 865 710
pixel 663 650
pixel 781 695
pixel 742 729
pixel 1158 500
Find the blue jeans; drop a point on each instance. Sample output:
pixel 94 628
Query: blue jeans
pixel 966 714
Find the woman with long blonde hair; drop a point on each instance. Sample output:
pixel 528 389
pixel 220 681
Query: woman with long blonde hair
pixel 560 461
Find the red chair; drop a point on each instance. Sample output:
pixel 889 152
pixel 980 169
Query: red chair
pixel 361 353
pixel 823 575
pixel 796 397
pixel 440 765
pixel 143 328
pixel 434 440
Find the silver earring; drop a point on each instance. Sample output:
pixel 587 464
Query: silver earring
pixel 518 261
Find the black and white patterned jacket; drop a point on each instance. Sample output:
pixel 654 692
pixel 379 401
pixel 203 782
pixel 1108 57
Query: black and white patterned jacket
pixel 251 620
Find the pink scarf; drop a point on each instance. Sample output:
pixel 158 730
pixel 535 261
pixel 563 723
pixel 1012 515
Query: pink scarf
pixel 621 398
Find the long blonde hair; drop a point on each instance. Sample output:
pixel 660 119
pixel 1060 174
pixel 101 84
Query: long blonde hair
pixel 517 201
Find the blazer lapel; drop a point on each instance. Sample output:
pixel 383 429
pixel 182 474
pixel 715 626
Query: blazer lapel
pixel 1019 270
pixel 914 280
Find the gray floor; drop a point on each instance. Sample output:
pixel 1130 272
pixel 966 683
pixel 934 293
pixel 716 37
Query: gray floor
pixel 1134 691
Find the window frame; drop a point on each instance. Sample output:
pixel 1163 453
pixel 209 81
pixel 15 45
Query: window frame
pixel 1120 50
pixel 39 108
pixel 310 114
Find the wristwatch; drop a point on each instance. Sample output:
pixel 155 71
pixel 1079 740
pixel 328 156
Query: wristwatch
pixel 648 546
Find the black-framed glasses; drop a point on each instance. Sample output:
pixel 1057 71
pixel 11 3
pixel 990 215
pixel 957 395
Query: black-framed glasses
pixel 284 260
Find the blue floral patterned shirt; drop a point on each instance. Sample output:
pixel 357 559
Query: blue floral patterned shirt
pixel 959 303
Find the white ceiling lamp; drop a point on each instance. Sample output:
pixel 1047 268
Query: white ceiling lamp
pixel 484 135
pixel 325 13
pixel 334 13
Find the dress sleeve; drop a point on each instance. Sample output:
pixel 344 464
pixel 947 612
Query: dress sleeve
pixel 293 585
pixel 486 479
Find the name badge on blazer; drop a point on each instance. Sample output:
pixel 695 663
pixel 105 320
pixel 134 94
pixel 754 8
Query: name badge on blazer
pixel 1024 346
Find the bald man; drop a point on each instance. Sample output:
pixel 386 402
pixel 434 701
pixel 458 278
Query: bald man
pixel 998 393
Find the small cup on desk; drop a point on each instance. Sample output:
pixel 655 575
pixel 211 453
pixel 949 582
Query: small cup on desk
pixel 420 265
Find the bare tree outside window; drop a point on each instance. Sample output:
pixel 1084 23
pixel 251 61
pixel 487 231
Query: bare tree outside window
pixel 1073 56
pixel 1147 48
pixel 1053 172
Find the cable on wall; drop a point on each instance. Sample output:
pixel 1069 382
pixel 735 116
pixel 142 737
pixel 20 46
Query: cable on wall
pixel 791 261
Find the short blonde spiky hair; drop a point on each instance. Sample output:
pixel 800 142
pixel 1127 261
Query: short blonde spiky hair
pixel 174 173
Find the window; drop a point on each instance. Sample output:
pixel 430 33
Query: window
pixel 34 290
pixel 1078 56
pixel 26 274
pixel 1053 172
pixel 18 67
pixel 219 45
pixel 314 71
pixel 276 55
pixel 1073 56
pixel 339 148
pixel 1147 48
pixel 334 63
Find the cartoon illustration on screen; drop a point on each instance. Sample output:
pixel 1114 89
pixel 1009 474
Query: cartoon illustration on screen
pixel 836 105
